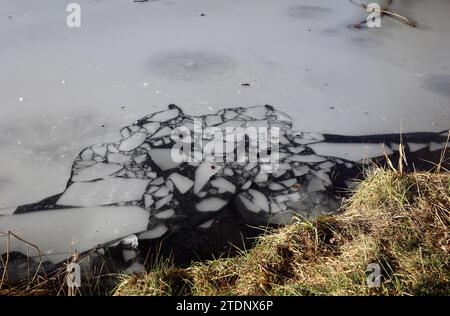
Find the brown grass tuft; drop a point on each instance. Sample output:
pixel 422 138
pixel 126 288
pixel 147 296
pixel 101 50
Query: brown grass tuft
pixel 399 221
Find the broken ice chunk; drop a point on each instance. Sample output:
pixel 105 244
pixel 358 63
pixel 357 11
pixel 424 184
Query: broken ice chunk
pixel 223 185
pixel 230 114
pixel 282 198
pixel 112 149
pixel 134 268
pixel 206 224
pixel 228 172
pixel 284 140
pixel 99 150
pixel 213 120
pixel 296 150
pixel 103 192
pixel 164 116
pixel 321 174
pixel 395 147
pixel 326 165
pixel 155 232
pixel 315 184
pixel 152 127
pixel 132 142
pixel 163 158
pixel 261 177
pixel 274 207
pixel 250 166
pixel 259 199
pixel 7 211
pixel 169 185
pixel 202 194
pixel 211 204
pixel 165 131
pixel 290 182
pixel 152 189
pixel 148 201
pixel 300 171
pixel 303 141
pixel 284 166
pixel 157 181
pixel 129 254
pixel 203 173
pixel 233 123
pixel 436 146
pixel 54 230
pixel 125 132
pixel 118 158
pixel 352 185
pixel 182 183
pixel 353 152
pixel 140 159
pixel 87 154
pixel 256 112
pixel 413 147
pixel 165 214
pixel 279 173
pixel 97 171
pixel 248 204
pixel 160 203
pixel 246 185
pixel 307 158
pixel 316 136
pixel 276 187
pixel 163 191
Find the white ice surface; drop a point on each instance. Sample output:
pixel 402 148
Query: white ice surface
pixel 223 185
pixel 155 232
pixel 67 230
pixel 96 171
pixel 182 183
pixel 211 204
pixel 354 152
pixel 103 192
pixel 165 116
pixel 203 173
pixel 165 214
pixel 63 89
pixel 163 159
pixel 160 203
pixel 259 199
pixel 132 142
pixel 415 146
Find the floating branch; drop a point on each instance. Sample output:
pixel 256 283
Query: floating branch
pixel 384 12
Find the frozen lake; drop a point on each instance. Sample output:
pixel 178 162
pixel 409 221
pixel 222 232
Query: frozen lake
pixel 63 89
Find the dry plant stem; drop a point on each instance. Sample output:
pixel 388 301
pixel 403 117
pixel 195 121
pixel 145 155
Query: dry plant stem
pixel 383 11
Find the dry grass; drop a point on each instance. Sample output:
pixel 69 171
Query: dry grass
pixel 400 221
pixel 97 282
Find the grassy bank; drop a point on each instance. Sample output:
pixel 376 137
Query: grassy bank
pixel 399 221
